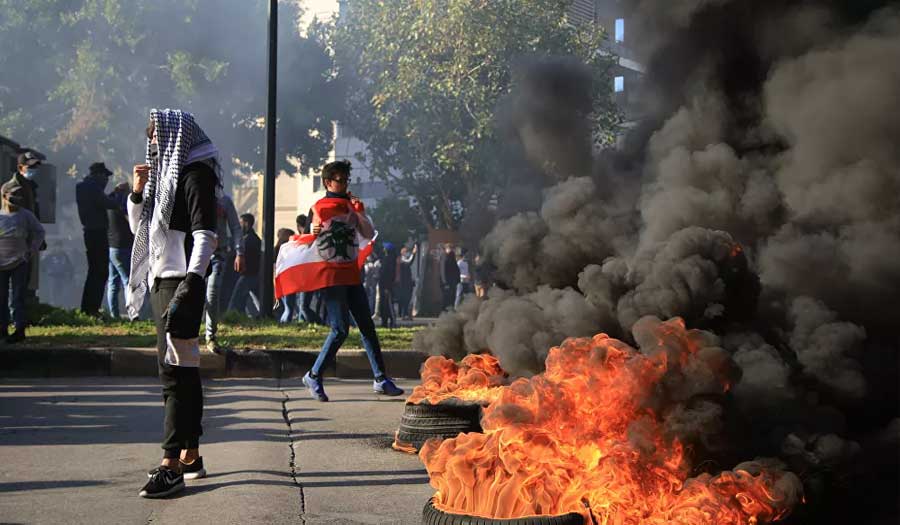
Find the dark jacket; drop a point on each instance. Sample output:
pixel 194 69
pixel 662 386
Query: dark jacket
pixel 252 253
pixel 93 203
pixel 120 235
pixel 449 270
pixel 388 275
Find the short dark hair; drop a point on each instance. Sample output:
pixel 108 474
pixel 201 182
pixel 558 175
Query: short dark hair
pixel 301 221
pixel 248 218
pixel 338 167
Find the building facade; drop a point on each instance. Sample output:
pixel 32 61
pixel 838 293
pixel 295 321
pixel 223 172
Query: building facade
pixel 615 18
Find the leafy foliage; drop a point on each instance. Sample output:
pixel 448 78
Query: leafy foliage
pixel 81 76
pixel 396 221
pixel 427 78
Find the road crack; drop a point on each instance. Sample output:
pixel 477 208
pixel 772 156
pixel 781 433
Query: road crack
pixel 285 413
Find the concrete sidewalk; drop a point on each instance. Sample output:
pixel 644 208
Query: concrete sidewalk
pixel 26 362
pixel 77 451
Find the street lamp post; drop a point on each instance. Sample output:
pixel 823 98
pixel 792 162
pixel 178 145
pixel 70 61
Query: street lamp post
pixel 269 182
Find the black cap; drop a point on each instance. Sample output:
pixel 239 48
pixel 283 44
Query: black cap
pixel 28 158
pixel 99 168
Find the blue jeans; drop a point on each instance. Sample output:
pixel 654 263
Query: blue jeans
pixel 213 287
pixel 119 270
pixel 246 286
pixel 15 279
pixel 307 314
pixel 289 302
pixel 341 302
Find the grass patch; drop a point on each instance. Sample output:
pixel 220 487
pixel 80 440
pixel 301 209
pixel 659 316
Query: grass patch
pixel 65 328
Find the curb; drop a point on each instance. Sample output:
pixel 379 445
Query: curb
pixel 139 362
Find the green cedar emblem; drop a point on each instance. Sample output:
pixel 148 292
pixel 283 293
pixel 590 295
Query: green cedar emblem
pixel 338 242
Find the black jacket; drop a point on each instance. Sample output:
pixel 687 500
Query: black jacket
pixel 93 204
pixel 120 235
pixel 449 270
pixel 252 253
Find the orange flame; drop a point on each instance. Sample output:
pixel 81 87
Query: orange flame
pixel 580 438
pixel 477 378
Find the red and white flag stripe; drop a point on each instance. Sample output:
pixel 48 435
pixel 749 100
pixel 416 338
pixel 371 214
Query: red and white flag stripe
pixel 307 263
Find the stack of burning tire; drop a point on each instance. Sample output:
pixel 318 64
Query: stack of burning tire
pixel 587 442
pixel 449 400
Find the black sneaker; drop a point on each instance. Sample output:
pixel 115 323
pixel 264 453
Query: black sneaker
pixel 193 470
pixel 163 482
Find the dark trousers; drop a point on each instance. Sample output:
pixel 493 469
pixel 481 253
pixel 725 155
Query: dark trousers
pixel 246 287
pixel 96 244
pixel 181 388
pixel 341 302
pixel 404 297
pixel 15 280
pixel 386 306
pixel 449 294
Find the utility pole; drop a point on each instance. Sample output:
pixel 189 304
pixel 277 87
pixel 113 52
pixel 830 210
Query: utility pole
pixel 268 218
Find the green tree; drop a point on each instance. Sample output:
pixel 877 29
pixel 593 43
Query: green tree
pixel 396 221
pixel 81 75
pixel 425 80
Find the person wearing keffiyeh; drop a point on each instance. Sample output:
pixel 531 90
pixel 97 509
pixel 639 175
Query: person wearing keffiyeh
pixel 172 213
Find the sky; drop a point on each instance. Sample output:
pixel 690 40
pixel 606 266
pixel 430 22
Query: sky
pixel 320 8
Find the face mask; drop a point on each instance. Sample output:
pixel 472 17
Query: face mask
pixel 154 153
pixel 30 173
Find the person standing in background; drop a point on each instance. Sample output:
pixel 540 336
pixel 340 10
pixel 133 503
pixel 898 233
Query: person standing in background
pixel 387 279
pixel 465 279
pixel 93 204
pixel 449 276
pixel 405 281
pixel 481 276
pixel 247 285
pixel 120 241
pixel 372 270
pixel 304 299
pixel 288 302
pixel 28 167
pixel 20 236
pixel 230 236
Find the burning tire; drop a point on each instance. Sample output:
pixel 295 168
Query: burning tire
pixel 434 516
pixel 424 421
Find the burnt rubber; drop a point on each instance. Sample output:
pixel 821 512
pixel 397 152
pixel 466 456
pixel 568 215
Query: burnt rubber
pixel 434 516
pixel 424 421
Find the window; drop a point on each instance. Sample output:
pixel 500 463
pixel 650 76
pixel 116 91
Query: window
pixel 620 30
pixel 317 182
pixel 619 84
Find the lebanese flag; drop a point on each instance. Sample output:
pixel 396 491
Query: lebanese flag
pixel 335 257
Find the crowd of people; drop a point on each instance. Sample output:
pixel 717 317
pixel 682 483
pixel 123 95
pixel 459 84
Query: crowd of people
pixel 233 283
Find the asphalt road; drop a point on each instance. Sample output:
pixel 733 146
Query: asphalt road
pixel 77 451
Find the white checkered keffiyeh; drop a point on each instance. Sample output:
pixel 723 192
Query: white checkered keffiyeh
pixel 181 142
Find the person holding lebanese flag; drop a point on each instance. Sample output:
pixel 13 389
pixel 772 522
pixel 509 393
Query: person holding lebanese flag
pixel 330 259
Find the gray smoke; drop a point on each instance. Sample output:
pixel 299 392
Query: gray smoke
pixel 574 228
pixel 518 329
pixel 825 347
pixel 837 108
pixel 548 115
pixel 768 187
